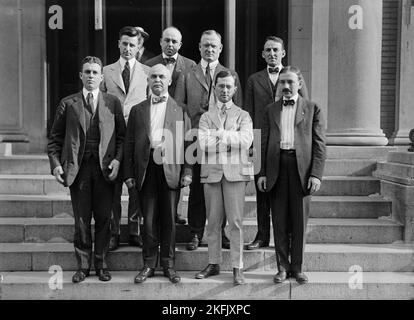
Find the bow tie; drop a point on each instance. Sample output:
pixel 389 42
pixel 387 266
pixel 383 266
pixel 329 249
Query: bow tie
pixel 156 99
pixel 273 70
pixel 169 60
pixel 290 102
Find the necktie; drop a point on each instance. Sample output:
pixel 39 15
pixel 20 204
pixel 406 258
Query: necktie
pixel 89 101
pixel 156 99
pixel 290 102
pixel 169 60
pixel 273 70
pixel 208 80
pixel 223 114
pixel 125 76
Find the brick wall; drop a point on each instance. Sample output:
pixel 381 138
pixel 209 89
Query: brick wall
pixel 389 60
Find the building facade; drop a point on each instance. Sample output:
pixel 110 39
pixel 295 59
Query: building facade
pixel 357 56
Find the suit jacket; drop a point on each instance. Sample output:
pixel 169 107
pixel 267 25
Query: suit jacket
pixel 146 55
pixel 182 65
pixel 259 94
pixel 230 156
pixel 138 144
pixel 68 134
pixel 192 92
pixel 309 142
pixel 114 84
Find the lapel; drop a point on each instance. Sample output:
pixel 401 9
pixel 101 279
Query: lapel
pixel 264 81
pixel 116 75
pixel 146 117
pixel 300 111
pixel 179 66
pixel 215 117
pixel 232 118
pixel 200 76
pixel 219 68
pixel 104 114
pixel 170 114
pixel 275 110
pixel 79 109
pixel 135 76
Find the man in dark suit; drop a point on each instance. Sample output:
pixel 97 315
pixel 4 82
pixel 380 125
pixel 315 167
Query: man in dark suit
pixel 177 64
pixel 143 55
pixel 156 166
pixel 195 92
pixel 293 159
pixel 85 151
pixel 261 91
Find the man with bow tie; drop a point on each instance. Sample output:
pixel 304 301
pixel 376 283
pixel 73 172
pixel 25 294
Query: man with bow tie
pixel 194 91
pixel 261 91
pixel 155 165
pixel 225 135
pixel 85 151
pixel 171 42
pixel 127 80
pixel 293 158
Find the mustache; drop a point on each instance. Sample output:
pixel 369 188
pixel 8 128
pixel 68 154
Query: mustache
pixel 286 90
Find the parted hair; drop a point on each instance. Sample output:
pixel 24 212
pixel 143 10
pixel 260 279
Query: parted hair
pixel 292 69
pixel 225 74
pixel 91 59
pixel 275 39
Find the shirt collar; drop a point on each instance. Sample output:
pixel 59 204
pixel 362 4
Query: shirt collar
pixel 294 98
pixel 280 66
pixel 174 56
pixel 213 64
pixel 94 93
pixel 122 61
pixel 227 105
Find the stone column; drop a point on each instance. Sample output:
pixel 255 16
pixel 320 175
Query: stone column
pixel 404 117
pixel 354 86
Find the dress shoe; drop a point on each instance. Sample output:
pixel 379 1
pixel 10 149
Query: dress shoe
pixel 145 273
pixel 280 277
pixel 256 244
pixel 179 220
pixel 193 244
pixel 238 276
pixel 210 270
pixel 80 275
pixel 300 277
pixel 114 243
pixel 225 242
pixel 135 241
pixel 103 274
pixel 172 275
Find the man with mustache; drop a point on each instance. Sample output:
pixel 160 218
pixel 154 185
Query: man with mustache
pixel 293 158
pixel 262 89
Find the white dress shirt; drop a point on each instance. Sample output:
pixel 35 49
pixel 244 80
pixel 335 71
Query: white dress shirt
pixel 170 66
pixel 95 94
pixel 226 106
pixel 157 119
pixel 287 123
pixel 131 63
pixel 274 76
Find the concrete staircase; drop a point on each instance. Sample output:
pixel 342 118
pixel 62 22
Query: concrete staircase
pixel 354 249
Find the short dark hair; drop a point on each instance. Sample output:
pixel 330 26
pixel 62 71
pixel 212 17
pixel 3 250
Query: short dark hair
pixel 211 32
pixel 91 59
pixel 225 74
pixel 275 39
pixel 292 69
pixel 129 31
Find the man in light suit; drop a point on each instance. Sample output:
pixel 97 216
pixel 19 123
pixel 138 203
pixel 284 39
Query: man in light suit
pixel 177 64
pixel 293 159
pixel 194 92
pixel 85 151
pixel 155 165
pixel 261 91
pixel 127 80
pixel 225 135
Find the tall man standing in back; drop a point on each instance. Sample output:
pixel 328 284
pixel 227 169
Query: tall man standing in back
pixel 261 91
pixel 293 159
pixel 127 80
pixel 85 151
pixel 177 64
pixel 195 92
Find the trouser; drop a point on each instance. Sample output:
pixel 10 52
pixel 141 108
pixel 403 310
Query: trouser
pixel 225 199
pixel 262 214
pixel 290 210
pixel 91 193
pixel 159 208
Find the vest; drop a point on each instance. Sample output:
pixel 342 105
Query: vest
pixel 93 135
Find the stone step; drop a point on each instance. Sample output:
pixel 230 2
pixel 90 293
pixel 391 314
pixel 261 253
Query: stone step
pixel 40 165
pixel 395 172
pixel 45 206
pixel 46 184
pixel 323 230
pixel 358 152
pixel 259 286
pixel 318 257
